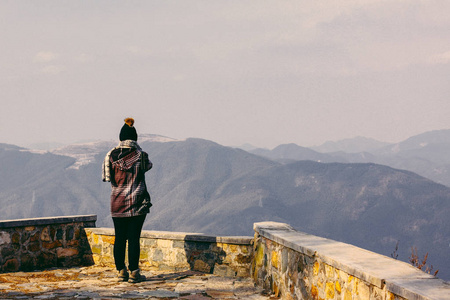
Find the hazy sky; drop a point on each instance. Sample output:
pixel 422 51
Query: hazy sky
pixel 259 72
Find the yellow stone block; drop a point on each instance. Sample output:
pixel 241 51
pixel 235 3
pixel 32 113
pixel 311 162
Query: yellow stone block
pixel 108 261
pixel 355 286
pixel 233 248
pixel 276 290
pixel 329 290
pixel 329 271
pixel 288 297
pixel 259 256
pixel 229 259
pixel 164 243
pixel 320 283
pixel 338 287
pixel 95 238
pixel 96 249
pixel 274 259
pixel 97 259
pixel 108 239
pixel 144 264
pixel 343 275
pixel 363 290
pixel 347 295
pixel 143 255
pixel 314 292
pixel 316 268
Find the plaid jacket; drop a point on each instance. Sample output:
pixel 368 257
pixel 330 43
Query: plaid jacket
pixel 124 166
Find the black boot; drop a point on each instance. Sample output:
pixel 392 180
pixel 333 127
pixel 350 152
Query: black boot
pixel 123 275
pixel 136 276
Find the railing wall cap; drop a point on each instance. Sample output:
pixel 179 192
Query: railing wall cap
pixel 272 226
pixel 399 277
pixel 47 221
pixel 182 236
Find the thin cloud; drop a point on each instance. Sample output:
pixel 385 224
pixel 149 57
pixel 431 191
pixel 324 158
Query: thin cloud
pixel 328 64
pixel 45 56
pixel 442 58
pixel 135 50
pixel 52 70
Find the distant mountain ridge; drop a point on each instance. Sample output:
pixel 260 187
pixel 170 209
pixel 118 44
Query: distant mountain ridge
pixel 435 137
pixel 426 154
pixel 200 186
pixel 353 145
pixel 290 152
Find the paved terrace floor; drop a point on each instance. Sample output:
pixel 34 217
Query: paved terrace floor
pixel 100 283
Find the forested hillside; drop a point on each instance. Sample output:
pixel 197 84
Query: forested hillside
pixel 200 186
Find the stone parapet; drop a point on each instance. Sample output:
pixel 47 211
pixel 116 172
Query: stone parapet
pixel 283 261
pixel 179 251
pixel 40 243
pixel 296 265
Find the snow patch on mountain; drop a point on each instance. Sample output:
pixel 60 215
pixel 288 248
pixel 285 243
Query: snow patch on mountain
pixel 155 138
pixel 85 153
pixel 36 151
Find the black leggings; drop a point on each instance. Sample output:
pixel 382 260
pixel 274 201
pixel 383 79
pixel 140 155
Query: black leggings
pixel 127 229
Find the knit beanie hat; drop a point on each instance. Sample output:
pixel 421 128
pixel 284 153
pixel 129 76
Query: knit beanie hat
pixel 128 132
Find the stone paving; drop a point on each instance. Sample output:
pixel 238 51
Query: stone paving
pixel 100 283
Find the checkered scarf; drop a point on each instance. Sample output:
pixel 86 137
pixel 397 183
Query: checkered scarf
pixel 106 166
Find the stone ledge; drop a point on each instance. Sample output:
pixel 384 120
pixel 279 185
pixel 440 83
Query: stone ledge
pixel 47 221
pixel 425 288
pixel 183 236
pixel 398 277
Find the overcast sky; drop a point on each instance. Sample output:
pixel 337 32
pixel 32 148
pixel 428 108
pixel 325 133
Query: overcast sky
pixel 258 72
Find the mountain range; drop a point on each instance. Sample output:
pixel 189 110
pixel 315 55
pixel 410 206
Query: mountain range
pixel 426 154
pixel 200 186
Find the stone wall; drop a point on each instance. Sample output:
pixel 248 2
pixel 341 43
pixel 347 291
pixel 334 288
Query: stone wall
pixel 296 265
pixel 286 262
pixel 175 251
pixel 36 244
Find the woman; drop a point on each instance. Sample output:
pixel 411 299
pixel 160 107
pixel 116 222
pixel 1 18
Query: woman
pixel 125 166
